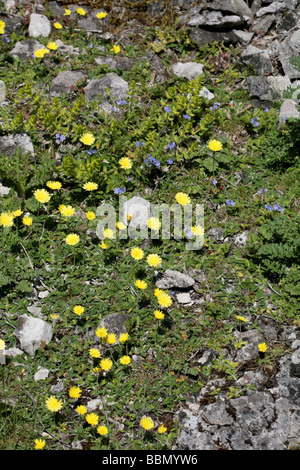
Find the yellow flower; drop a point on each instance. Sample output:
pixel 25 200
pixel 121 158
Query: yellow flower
pixel 159 315
pixel 90 186
pixel 120 225
pixel 78 309
pixel 103 245
pixel 239 317
pixel 80 11
pixel 75 392
pixel 123 337
pixel 197 230
pixel 6 219
pixel 102 430
pixel 147 423
pixel 72 239
pixel 66 211
pixel 92 419
pixel 182 199
pixel 108 233
pixel 125 163
pixel 67 12
pixel 27 220
pixel 129 217
pixel 39 444
pixel 87 138
pixel 39 53
pixel 125 360
pixel 215 145
pixel 158 292
pixel 90 215
pixel 42 196
pixel 17 213
pixel 161 429
pixel 106 364
pixel 164 300
pixel 52 45
pixel 140 284
pixel 154 260
pixel 153 223
pixel 53 184
pixel 94 352
pixel 101 332
pixel 101 15
pixel 2 24
pixel 53 404
pixel 111 338
pixel 57 25
pixel 262 347
pixel 2 344
pixel 115 49
pixel 81 409
pixel 137 253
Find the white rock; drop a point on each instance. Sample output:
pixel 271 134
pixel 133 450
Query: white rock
pixel 139 208
pixel 41 374
pixel 39 25
pixel 2 91
pixel 288 110
pixel 4 191
pixel 32 333
pixel 184 298
pixel 206 93
pixel 10 143
pixel 189 70
pixel 275 7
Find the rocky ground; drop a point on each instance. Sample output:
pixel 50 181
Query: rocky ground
pixel 268 34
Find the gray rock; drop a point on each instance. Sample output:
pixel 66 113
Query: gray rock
pixel 279 83
pixel 10 143
pixel 34 310
pixel 288 110
pixel 259 87
pixel 216 234
pixel 4 191
pixel 216 20
pixel 39 25
pixel 202 37
pixel 114 323
pixel 63 82
pixel 24 50
pixel 68 48
pixel 257 58
pixel 189 70
pixel 274 7
pixel 236 7
pixel 184 298
pixel 289 21
pixel 96 404
pixel 32 333
pixel 263 24
pixel 2 91
pixel 41 374
pixel 244 36
pixel 118 88
pixel 241 239
pixel 290 47
pixel 123 63
pixel 13 352
pixel 174 279
pixel 139 208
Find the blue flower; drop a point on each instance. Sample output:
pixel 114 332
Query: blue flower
pixel 230 203
pixel 186 116
pixel 167 109
pixel 119 190
pixel 170 161
pixel 171 145
pixel 214 181
pixel 121 102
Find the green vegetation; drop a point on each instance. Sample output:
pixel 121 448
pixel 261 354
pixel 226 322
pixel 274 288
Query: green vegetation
pixel 248 182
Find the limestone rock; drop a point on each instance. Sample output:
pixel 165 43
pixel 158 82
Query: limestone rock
pixel 39 26
pixel 10 143
pixel 123 63
pixel 288 110
pixel 63 82
pixel 176 279
pixel 2 91
pixel 118 88
pixel 139 208
pixel 24 50
pixel 260 88
pixel 4 191
pixel 235 7
pixel 189 70
pixel 32 333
